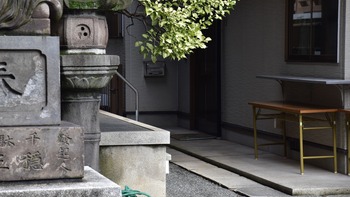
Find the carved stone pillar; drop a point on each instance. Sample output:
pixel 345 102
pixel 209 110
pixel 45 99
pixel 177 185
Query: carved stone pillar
pixel 82 77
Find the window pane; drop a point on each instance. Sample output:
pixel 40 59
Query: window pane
pixel 326 29
pixel 301 28
pixel 312 30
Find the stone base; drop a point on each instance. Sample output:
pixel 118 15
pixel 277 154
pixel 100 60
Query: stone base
pixel 93 184
pixel 134 154
pixel 141 168
pixel 41 152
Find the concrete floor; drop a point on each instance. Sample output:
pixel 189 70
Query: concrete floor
pixel 233 166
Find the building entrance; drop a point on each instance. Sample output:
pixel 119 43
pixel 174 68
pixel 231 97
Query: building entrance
pixel 205 85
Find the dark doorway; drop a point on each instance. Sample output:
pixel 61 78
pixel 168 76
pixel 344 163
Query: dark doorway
pixel 112 96
pixel 205 85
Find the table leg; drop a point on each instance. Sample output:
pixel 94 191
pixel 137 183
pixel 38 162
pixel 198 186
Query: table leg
pixel 301 143
pixel 255 134
pixel 284 136
pixel 348 143
pixel 334 128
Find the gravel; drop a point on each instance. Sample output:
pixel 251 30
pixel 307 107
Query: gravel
pixel 182 183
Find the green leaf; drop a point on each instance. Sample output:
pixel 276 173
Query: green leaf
pixel 149 45
pixel 154 58
pixel 138 43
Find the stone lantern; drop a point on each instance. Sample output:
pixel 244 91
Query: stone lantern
pixel 85 68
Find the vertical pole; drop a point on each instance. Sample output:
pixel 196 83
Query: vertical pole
pixel 255 133
pixel 284 134
pixel 348 143
pixel 334 128
pixel 301 141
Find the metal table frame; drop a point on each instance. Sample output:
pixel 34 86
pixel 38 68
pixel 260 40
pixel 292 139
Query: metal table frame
pixel 300 114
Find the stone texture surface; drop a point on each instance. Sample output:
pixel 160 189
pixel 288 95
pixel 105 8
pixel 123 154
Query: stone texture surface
pixel 93 184
pixel 29 17
pixel 141 168
pixel 41 11
pixel 46 152
pixel 138 158
pixel 29 91
pixel 83 31
pixel 36 26
pixel 82 78
pixel 89 60
pixel 88 71
pixel 110 124
pixel 117 130
pixel 81 109
pixel 17 13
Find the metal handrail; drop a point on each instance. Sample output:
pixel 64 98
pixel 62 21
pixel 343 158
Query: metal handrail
pixel 136 95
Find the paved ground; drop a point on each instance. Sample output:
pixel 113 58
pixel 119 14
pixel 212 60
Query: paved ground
pixel 191 177
pixel 182 183
pixel 220 176
pixel 217 159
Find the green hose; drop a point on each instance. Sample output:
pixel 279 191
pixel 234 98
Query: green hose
pixel 127 192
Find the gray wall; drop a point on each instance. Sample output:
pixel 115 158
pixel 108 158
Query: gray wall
pixel 160 97
pixel 156 94
pixel 254 44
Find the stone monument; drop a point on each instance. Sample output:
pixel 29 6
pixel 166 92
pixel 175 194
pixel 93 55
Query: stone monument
pixel 35 144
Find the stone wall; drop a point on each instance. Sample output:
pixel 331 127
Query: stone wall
pixel 134 154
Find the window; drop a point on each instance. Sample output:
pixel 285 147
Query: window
pixel 312 30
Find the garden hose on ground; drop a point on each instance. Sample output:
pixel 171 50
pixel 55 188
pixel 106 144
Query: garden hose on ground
pixel 127 192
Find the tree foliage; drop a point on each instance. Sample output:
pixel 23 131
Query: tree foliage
pixel 177 25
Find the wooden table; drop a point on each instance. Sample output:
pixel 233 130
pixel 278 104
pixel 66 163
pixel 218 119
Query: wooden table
pixel 301 114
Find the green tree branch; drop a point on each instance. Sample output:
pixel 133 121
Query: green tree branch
pixel 177 25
